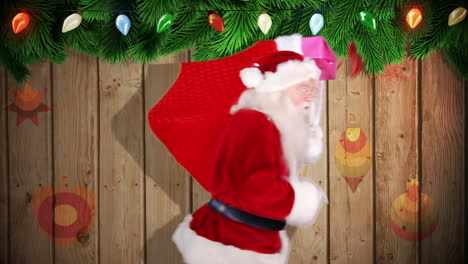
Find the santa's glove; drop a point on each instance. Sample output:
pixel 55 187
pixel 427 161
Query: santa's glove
pixel 309 198
pixel 315 145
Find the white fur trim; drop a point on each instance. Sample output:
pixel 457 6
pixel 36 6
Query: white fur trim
pixel 314 151
pixel 289 73
pixel 196 249
pixel 308 200
pixel 251 77
pixel 314 145
pixel 291 43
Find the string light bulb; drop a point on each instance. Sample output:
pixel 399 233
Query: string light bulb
pixel 71 22
pixel 123 24
pixel 413 17
pixel 457 16
pixel 368 20
pixel 165 22
pixel 216 22
pixel 264 23
pixel 20 22
pixel 316 23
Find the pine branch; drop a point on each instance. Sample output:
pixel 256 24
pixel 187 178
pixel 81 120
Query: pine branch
pixel 368 47
pixel 390 38
pixel 436 33
pixel 18 69
pixel 97 34
pixel 343 17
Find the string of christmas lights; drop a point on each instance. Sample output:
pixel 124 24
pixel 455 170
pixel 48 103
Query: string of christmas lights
pixel 145 30
pixel 317 21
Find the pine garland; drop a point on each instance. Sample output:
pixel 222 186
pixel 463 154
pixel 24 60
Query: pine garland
pixel 98 36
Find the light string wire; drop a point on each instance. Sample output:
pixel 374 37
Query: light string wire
pixel 232 10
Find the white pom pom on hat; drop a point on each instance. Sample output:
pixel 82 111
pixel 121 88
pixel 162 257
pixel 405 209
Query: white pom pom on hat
pixel 251 77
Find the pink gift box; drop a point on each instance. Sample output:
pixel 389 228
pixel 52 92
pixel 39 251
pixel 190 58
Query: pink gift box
pixel 317 48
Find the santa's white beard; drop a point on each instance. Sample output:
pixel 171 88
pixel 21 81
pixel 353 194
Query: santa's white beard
pixel 290 120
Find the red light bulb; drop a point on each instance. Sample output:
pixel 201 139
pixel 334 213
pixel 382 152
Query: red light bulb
pixel 414 17
pixel 20 22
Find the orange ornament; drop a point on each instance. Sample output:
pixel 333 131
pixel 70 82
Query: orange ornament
pixel 20 22
pixel 216 22
pixel 65 215
pixel 414 17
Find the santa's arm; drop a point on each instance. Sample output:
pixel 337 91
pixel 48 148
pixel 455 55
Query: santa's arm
pixel 255 178
pixel 258 184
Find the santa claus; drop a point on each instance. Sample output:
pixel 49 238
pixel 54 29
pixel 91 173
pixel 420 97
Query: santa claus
pixel 254 186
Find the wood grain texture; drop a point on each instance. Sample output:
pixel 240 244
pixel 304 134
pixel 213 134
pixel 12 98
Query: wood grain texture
pixel 4 182
pixel 396 147
pixel 30 164
pixel 168 183
pixel 443 169
pixel 76 116
pixel 351 218
pixel 183 56
pixel 121 167
pixel 310 244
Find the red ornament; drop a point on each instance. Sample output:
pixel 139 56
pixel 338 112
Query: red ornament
pixel 20 22
pixel 216 22
pixel 414 17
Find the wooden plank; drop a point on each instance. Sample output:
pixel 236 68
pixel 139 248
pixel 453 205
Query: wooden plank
pixel 168 183
pixel 183 56
pixel 75 97
pixel 351 217
pixel 4 183
pixel 396 161
pixel 30 172
pixel 121 164
pixel 443 169
pixel 310 244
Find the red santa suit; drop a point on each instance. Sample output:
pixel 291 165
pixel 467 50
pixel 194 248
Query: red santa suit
pixel 247 171
pixel 253 178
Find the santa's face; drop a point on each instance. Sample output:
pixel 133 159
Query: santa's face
pixel 303 93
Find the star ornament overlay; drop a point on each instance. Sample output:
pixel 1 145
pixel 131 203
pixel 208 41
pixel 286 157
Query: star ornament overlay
pixel 27 104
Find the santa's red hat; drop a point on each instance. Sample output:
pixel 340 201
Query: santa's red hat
pixel 278 71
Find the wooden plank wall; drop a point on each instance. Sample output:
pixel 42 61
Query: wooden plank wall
pixel 76 141
pixel 4 181
pixel 97 136
pixel 350 106
pixel 396 156
pixel 443 157
pixel 30 168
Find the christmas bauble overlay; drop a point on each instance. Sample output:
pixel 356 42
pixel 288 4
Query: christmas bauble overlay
pixel 353 155
pixel 65 215
pixel 403 216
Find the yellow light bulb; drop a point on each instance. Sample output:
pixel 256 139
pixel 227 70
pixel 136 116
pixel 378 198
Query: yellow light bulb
pixel 264 23
pixel 457 16
pixel 71 22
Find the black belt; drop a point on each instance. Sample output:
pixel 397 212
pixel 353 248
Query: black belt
pixel 245 217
